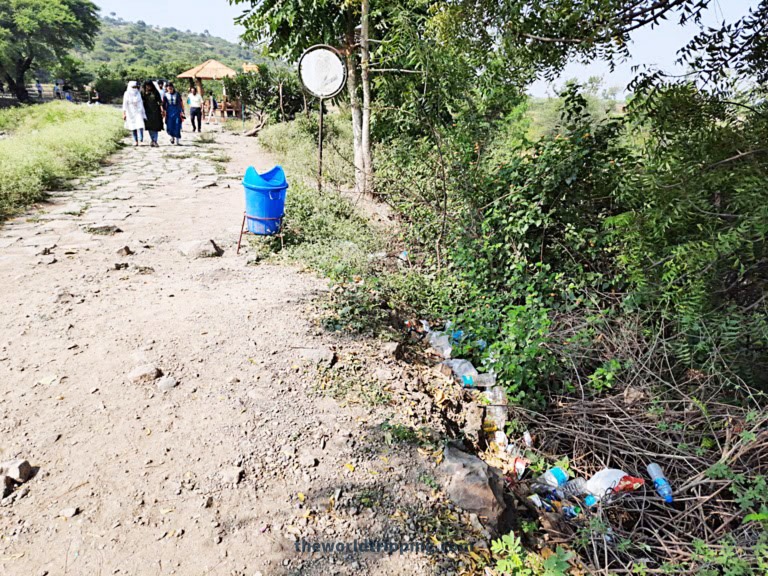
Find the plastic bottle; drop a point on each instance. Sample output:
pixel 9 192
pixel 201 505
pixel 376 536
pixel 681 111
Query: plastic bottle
pixel 660 482
pixel 478 381
pixel 441 343
pixel 551 479
pixel 463 370
pixel 572 488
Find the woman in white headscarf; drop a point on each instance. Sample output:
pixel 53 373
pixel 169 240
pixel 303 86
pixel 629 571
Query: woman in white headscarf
pixel 133 112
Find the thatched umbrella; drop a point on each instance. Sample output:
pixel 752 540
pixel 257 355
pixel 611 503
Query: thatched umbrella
pixel 208 70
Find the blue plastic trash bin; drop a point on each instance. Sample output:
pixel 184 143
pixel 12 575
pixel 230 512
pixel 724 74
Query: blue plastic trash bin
pixel 264 200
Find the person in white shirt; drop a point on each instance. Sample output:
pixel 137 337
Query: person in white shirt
pixel 133 112
pixel 195 102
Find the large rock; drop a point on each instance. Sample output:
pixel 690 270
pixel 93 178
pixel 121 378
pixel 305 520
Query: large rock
pixel 201 249
pixel 472 485
pixel 18 470
pixel 319 356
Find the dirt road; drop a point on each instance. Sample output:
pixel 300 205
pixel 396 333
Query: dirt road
pixel 225 471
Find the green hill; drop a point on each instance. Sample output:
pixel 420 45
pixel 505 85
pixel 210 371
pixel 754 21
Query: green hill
pixel 139 47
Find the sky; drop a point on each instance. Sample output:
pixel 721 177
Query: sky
pixel 649 46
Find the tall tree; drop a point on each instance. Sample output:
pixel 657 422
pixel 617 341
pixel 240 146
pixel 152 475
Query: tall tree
pixel 38 32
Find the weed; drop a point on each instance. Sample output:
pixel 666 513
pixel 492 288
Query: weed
pixel 206 138
pixel 429 480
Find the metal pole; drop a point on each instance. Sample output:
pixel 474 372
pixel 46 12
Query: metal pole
pixel 320 151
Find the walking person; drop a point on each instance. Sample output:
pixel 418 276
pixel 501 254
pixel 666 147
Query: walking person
pixel 196 109
pixel 153 108
pixel 213 106
pixel 39 88
pixel 57 90
pixel 173 107
pixel 133 112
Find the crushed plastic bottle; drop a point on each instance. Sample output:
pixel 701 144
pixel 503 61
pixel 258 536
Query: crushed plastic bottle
pixel 479 381
pixel 550 480
pixel 572 488
pixel 660 482
pixel 463 370
pixel 609 481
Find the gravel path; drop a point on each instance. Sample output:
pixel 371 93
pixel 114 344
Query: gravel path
pixel 223 472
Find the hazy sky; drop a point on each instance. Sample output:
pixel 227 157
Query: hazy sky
pixel 657 46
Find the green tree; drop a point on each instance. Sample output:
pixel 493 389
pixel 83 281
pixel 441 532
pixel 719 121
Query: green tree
pixel 34 33
pixel 292 26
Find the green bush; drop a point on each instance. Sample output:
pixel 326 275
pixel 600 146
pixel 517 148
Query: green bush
pixel 51 143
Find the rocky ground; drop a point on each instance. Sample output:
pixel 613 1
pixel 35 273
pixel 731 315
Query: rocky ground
pixel 179 410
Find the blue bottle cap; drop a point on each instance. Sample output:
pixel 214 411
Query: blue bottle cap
pixel 590 500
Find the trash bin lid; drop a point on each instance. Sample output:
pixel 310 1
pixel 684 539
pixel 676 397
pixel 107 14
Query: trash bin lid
pixel 274 178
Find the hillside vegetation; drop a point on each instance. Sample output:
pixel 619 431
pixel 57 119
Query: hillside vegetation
pixel 122 44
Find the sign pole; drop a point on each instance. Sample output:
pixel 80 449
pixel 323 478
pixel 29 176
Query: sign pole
pixel 320 151
pixel 322 73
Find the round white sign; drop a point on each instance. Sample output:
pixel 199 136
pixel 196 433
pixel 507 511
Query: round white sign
pixel 322 71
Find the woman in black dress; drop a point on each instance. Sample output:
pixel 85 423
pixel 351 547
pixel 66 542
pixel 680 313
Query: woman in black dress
pixel 153 108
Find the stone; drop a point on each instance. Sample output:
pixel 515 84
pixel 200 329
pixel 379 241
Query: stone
pixel 105 230
pixel 124 251
pixel 121 265
pixel 18 470
pixel 473 421
pixel 392 350
pixel 383 374
pixel 318 356
pixel 308 460
pixel 231 475
pixel 144 374
pixel 201 249
pixel 167 383
pixel 472 485
pixel 70 512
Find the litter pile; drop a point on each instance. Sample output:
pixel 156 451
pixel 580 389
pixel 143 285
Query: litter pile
pixel 703 463
pixel 654 477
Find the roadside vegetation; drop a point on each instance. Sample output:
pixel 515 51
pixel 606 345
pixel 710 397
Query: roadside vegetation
pixel 48 144
pixel 605 260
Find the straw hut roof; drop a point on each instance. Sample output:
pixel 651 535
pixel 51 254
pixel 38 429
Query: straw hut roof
pixel 208 70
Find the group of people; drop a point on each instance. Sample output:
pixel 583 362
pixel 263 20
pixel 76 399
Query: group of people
pixel 154 105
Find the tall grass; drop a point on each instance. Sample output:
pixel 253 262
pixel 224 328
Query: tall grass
pixel 49 144
pixel 296 144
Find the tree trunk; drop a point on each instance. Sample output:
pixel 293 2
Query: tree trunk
pixel 16 82
pixel 282 110
pixel 366 81
pixel 354 103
